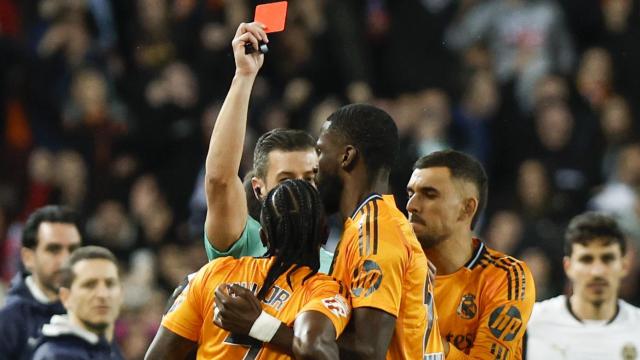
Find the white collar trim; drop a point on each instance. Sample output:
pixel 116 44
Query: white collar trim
pixel 62 325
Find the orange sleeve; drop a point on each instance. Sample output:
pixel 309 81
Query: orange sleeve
pixel 185 316
pixel 377 274
pixel 506 310
pixel 325 298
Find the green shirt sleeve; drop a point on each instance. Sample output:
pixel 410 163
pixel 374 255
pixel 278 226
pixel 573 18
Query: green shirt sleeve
pixel 248 244
pixel 326 258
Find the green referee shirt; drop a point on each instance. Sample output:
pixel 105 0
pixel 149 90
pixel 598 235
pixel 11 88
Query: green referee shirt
pixel 249 244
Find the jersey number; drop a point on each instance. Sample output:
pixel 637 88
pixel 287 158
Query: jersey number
pixel 253 346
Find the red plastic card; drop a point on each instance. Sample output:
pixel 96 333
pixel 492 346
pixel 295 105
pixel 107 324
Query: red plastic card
pixel 273 15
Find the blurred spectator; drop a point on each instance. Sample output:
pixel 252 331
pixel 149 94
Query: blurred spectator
pixel 50 234
pixel 617 127
pixel 432 122
pixel 527 39
pixel 617 196
pixel 474 116
pixel 92 296
pixel 542 270
pixel 594 79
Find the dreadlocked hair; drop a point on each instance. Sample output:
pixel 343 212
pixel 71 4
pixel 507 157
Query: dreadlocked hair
pixel 293 219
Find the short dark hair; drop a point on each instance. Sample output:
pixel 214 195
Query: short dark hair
pixel 593 226
pixel 83 253
pixel 50 213
pixel 294 220
pixel 371 130
pixel 461 166
pixel 278 139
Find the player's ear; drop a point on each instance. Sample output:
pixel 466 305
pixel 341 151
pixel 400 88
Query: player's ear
pixel 349 158
pixel 28 256
pixel 627 264
pixel 470 207
pixel 258 187
pixel 566 264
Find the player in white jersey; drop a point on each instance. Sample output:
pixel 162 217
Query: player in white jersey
pixel 593 323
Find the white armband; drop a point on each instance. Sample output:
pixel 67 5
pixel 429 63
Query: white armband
pixel 264 328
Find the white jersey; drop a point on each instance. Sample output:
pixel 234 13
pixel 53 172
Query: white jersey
pixel 554 333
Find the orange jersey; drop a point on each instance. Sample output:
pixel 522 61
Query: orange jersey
pixel 191 316
pixel 380 260
pixel 485 306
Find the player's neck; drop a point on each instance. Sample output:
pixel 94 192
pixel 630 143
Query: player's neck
pixel 586 310
pixel 357 190
pixel 452 253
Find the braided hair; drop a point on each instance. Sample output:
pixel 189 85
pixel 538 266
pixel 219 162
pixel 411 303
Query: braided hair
pixel 293 220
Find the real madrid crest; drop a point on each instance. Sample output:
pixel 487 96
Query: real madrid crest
pixel 467 308
pixel 629 352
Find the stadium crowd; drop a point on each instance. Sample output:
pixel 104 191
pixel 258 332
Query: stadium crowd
pixel 107 107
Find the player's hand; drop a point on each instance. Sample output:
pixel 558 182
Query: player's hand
pixel 237 308
pixel 251 33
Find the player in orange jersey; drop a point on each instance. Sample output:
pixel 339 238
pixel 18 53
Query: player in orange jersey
pixel 378 257
pixel 484 298
pixel 286 282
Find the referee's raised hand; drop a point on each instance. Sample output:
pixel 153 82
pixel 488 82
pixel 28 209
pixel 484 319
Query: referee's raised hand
pixel 248 33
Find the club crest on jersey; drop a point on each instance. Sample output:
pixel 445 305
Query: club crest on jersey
pixel 505 325
pixel 366 279
pixel 467 308
pixel 629 352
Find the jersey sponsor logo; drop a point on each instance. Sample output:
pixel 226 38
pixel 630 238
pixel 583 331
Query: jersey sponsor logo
pixel 366 278
pixel 461 341
pixel 505 325
pixel 467 308
pixel 337 305
pixel 629 352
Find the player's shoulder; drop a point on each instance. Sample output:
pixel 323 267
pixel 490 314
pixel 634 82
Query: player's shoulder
pixel 498 263
pixel 499 270
pixel 628 312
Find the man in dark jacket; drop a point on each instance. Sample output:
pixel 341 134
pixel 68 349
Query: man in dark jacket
pixel 92 294
pixel 50 235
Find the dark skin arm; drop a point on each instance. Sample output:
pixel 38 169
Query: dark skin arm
pixel 169 345
pixel 312 337
pixel 368 334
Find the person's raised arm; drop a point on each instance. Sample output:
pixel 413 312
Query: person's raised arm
pixel 226 205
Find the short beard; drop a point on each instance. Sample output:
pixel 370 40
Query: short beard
pixel 330 188
pixel 429 241
pixel 50 282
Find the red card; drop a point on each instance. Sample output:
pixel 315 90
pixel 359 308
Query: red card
pixel 273 15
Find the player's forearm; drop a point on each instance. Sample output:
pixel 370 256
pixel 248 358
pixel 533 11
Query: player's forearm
pixel 227 139
pixel 283 339
pixel 353 348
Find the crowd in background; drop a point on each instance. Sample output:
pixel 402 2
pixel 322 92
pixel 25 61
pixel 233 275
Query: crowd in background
pixel 107 106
